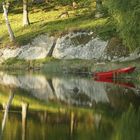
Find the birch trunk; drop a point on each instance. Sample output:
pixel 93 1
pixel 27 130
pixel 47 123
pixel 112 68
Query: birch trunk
pixel 99 9
pixel 25 13
pixel 99 5
pixel 11 34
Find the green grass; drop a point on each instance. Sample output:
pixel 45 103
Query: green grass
pixel 53 66
pixel 48 65
pixel 44 20
pixel 21 64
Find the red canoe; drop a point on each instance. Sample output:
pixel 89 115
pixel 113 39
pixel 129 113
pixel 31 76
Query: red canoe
pixel 113 73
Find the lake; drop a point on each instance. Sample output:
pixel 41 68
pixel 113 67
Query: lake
pixel 36 106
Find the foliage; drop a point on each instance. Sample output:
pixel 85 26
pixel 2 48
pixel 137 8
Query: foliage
pixel 69 2
pixel 64 2
pixel 126 18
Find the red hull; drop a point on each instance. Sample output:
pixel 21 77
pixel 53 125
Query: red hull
pixel 113 73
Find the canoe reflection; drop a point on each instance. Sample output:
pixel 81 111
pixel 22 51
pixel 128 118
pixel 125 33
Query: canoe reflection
pixel 124 83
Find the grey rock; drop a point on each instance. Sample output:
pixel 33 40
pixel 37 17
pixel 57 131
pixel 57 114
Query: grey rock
pixel 39 48
pixel 10 53
pixel 79 45
pixel 33 53
pixel 43 41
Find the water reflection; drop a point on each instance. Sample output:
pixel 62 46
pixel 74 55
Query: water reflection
pixel 104 109
pixel 6 110
pixel 57 126
pixel 121 82
pixel 70 90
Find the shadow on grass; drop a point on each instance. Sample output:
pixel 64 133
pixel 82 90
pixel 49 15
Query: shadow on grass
pixel 17 7
pixel 58 26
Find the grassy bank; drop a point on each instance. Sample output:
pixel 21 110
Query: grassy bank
pixel 44 19
pixel 75 67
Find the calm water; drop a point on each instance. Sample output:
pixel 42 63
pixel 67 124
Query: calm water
pixel 43 107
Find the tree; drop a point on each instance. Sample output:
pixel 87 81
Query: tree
pixel 11 34
pixel 125 15
pixel 25 13
pixel 99 9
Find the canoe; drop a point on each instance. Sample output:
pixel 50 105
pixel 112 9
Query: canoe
pixel 113 73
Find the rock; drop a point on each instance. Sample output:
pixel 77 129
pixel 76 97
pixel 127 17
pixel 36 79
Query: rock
pixel 40 47
pixel 74 45
pixel 133 56
pixel 81 45
pixel 10 53
pixel 33 53
pixel 43 41
pixel 99 15
pixel 115 49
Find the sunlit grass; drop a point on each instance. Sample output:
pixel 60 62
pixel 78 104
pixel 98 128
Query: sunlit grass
pixel 45 20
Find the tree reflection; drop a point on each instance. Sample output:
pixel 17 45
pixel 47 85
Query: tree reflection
pixel 6 110
pixel 24 119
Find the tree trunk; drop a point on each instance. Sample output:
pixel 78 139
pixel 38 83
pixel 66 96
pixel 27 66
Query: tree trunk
pixel 99 9
pixel 25 13
pixel 99 5
pixel 7 5
pixel 11 34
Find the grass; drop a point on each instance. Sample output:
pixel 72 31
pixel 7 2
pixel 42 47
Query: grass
pixel 44 20
pixel 75 67
pixel 21 64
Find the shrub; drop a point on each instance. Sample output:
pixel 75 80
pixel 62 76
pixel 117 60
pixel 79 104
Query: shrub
pixel 126 18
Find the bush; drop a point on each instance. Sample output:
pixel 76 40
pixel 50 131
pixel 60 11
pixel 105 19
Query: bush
pixel 68 2
pixel 64 2
pixel 125 14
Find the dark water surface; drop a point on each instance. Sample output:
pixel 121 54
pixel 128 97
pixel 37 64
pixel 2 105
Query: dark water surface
pixel 43 107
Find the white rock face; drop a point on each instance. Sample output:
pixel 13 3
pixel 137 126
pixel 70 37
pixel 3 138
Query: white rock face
pixel 10 53
pixel 43 41
pixel 33 53
pixel 76 45
pixel 79 45
pixel 38 49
